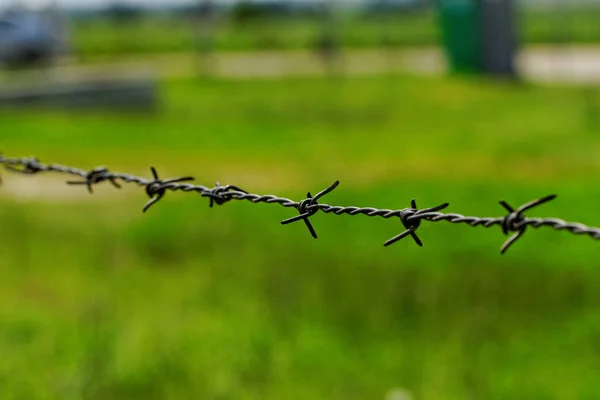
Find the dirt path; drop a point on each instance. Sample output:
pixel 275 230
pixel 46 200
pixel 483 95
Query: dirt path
pixel 574 65
pixel 47 188
pixel 241 65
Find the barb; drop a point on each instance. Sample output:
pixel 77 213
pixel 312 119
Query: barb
pixel 411 218
pixel 513 222
pixel 28 166
pixel 221 194
pixel 96 176
pixel 156 189
pixel 309 207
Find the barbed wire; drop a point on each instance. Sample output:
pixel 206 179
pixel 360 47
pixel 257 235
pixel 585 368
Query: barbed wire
pixel 514 222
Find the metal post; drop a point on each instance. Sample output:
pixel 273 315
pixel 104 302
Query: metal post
pixel 203 23
pixel 328 44
pixel 499 37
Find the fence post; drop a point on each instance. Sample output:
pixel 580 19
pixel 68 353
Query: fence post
pixel 204 26
pixel 499 38
pixel 328 45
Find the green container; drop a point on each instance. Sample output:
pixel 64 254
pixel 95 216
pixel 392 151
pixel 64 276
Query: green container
pixel 461 34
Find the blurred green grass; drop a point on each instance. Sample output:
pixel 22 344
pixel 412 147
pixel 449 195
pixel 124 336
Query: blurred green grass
pixel 101 37
pixel 101 301
pixel 164 34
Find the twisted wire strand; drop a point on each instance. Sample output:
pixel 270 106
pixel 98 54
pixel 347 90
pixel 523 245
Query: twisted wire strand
pixel 514 222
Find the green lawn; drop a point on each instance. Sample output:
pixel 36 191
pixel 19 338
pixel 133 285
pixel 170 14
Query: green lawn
pixel 101 37
pixel 98 300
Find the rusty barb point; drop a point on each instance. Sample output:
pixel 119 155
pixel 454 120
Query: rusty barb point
pixel 309 207
pixel 411 219
pixel 516 221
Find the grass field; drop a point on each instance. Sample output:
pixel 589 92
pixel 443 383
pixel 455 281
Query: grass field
pixel 101 37
pixel 98 300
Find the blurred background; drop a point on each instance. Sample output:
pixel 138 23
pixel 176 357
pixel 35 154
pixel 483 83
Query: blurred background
pixel 460 101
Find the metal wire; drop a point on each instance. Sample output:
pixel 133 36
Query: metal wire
pixel 514 222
